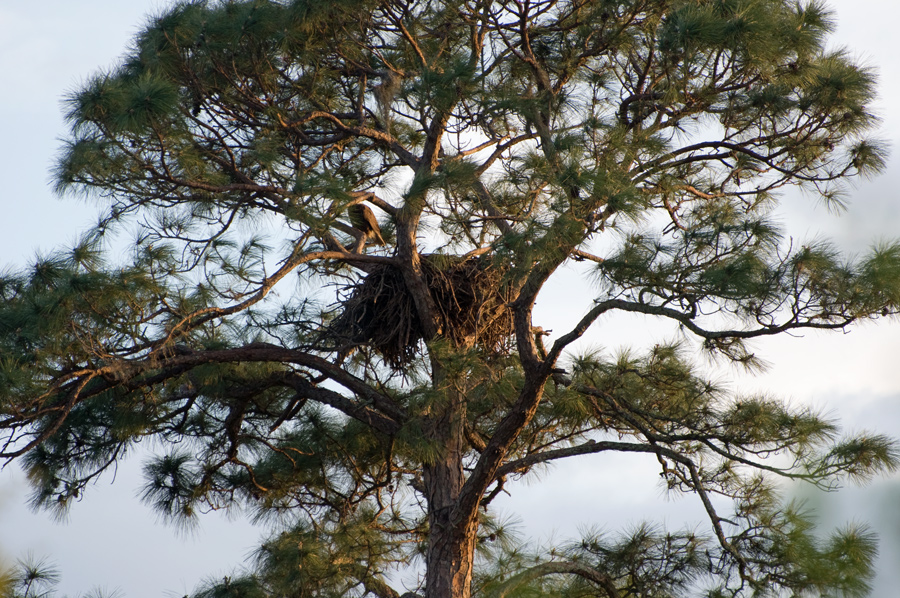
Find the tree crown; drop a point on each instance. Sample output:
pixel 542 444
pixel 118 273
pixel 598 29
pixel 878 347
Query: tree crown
pixel 378 406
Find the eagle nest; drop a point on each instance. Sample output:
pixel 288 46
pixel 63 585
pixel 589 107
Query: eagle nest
pixel 379 311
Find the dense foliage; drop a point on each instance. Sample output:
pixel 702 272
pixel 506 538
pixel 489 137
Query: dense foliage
pixel 372 400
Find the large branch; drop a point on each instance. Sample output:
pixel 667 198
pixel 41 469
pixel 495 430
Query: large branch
pixel 359 411
pixel 264 352
pixel 587 448
pixel 202 316
pixel 688 322
pixel 695 482
pixel 485 470
pixel 374 408
pixel 407 220
pixel 773 160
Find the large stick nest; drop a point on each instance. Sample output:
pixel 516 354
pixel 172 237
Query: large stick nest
pixel 379 311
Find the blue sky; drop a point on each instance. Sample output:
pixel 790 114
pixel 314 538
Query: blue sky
pixel 111 540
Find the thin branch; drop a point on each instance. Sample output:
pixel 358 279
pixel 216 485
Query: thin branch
pixel 605 582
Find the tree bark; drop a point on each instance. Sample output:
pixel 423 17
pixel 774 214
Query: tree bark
pixel 451 544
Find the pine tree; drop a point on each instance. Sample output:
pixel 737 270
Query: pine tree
pixel 372 401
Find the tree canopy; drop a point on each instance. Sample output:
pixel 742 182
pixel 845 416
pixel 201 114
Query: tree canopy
pixel 341 215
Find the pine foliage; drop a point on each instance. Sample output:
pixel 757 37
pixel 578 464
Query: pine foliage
pixel 372 402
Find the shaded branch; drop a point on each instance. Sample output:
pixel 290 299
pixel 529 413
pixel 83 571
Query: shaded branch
pixel 605 582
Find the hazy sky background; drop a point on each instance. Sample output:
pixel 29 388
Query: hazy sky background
pixel 111 540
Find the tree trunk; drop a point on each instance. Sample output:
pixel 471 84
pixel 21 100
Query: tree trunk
pixel 451 544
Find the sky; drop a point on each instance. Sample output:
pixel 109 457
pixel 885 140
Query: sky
pixel 110 540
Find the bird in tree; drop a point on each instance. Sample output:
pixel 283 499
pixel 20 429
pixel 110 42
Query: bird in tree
pixel 363 220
